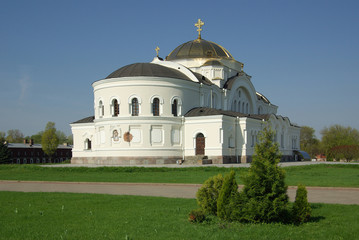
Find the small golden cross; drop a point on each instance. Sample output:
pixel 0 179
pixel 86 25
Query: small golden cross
pixel 157 50
pixel 199 24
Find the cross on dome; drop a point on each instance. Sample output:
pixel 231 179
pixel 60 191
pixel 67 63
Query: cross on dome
pixel 199 24
pixel 157 50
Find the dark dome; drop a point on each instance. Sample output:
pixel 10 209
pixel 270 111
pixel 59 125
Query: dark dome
pixel 147 69
pixel 199 48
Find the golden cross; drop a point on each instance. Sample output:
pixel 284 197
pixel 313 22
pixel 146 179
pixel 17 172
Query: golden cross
pixel 157 50
pixel 199 24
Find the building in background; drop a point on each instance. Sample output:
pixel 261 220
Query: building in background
pixel 196 106
pixel 28 153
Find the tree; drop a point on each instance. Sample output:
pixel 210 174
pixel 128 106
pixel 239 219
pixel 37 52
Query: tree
pixel 347 152
pixel 226 195
pixel 336 136
pixel 264 195
pixel 301 210
pixel 4 153
pixel 37 137
pixel 308 142
pixel 14 136
pixel 61 136
pixel 207 195
pixel 70 139
pixel 2 137
pixel 49 140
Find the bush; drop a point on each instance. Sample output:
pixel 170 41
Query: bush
pixel 196 216
pixel 264 196
pixel 301 210
pixel 226 195
pixel 4 154
pixel 207 195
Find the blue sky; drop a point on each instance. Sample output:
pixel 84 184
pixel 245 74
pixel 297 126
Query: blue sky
pixel 302 55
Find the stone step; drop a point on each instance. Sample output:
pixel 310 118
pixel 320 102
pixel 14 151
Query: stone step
pixel 204 161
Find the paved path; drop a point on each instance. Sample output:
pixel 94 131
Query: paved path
pixel 315 194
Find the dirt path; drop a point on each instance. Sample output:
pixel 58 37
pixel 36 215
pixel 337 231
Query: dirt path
pixel 315 194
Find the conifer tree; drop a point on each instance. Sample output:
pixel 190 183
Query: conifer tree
pixel 207 195
pixel 301 210
pixel 264 196
pixel 226 196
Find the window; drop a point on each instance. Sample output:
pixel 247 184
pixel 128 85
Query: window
pixel 239 106
pixel 234 105
pixel 175 107
pixel 101 109
pixel 156 107
pixel 134 107
pixel 115 108
pixel 87 144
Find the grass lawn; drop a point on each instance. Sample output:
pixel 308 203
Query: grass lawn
pixel 312 175
pixel 94 216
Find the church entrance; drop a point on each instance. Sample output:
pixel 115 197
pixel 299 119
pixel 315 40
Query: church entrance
pixel 200 144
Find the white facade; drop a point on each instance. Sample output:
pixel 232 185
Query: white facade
pixel 191 105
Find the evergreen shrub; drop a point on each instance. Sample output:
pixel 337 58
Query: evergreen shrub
pixel 301 210
pixel 226 195
pixel 207 195
pixel 264 196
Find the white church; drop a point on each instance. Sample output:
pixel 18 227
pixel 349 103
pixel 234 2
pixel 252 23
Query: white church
pixel 196 106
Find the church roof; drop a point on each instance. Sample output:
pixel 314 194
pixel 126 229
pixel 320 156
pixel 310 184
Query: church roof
pixel 148 70
pixel 86 120
pixel 199 48
pixel 204 111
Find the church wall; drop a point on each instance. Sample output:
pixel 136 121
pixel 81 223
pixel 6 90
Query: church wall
pixel 248 93
pixel 211 128
pixel 124 89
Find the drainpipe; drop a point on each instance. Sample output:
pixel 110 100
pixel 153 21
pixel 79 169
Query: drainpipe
pixel 236 137
pixel 183 138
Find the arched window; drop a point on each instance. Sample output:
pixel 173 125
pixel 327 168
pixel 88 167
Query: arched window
pixel 156 107
pixel 134 107
pixel 239 106
pixel 115 108
pixel 259 110
pixel 101 109
pixel 175 108
pixel 234 105
pixel 87 144
pixel 247 109
pixel 243 109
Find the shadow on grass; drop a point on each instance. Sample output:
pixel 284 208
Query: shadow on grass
pixel 316 219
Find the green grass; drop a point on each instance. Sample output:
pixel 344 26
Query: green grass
pixel 324 175
pixel 94 216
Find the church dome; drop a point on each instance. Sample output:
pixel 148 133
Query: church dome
pixel 149 70
pixel 199 48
